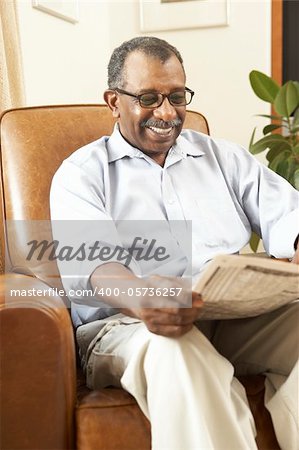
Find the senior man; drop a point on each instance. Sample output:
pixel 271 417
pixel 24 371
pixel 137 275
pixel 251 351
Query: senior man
pixel 180 369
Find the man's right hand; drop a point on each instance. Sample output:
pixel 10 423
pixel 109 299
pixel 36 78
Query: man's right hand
pixel 170 316
pixel 170 322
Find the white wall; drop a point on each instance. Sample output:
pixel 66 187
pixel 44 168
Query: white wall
pixel 66 63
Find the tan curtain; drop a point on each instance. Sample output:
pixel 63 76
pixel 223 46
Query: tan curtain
pixel 11 77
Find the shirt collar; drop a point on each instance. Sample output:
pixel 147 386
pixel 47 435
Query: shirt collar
pixel 118 148
pixel 184 147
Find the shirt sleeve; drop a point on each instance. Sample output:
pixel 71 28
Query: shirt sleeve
pixel 269 201
pixel 85 231
pixel 284 234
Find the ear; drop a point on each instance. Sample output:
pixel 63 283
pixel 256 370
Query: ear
pixel 112 100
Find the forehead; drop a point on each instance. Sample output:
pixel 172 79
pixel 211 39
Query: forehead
pixel 145 72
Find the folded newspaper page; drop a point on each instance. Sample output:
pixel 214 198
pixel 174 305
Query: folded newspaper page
pixel 236 286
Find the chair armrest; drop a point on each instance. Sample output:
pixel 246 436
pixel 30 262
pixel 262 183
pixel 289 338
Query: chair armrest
pixel 37 367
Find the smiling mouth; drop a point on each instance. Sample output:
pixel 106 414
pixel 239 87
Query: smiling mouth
pixel 161 131
pixel 161 128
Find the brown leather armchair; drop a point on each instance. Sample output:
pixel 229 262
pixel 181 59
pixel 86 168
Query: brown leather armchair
pixel 44 401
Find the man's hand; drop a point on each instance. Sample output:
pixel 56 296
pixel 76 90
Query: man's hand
pixel 167 315
pixel 170 322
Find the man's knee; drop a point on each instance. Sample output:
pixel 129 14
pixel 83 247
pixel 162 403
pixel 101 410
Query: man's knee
pixel 192 350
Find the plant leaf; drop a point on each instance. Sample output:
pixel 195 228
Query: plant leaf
pixel 286 169
pixel 263 86
pixel 287 99
pixel 296 179
pixel 296 83
pixel 278 160
pixel 296 149
pixel 275 150
pixel 291 169
pixel 282 169
pixel 254 242
pixel 270 116
pixel 252 137
pixel 269 128
pixel 269 142
pixel 296 117
pixel 279 119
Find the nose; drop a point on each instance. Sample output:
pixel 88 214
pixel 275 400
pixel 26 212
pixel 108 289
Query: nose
pixel 165 111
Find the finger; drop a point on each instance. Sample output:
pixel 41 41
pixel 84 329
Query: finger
pixel 197 300
pixel 160 317
pixel 169 330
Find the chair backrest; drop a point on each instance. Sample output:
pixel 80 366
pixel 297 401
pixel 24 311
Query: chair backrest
pixel 34 142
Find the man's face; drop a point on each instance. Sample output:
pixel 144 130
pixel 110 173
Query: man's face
pixel 150 130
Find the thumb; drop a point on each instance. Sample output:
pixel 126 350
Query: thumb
pixel 197 301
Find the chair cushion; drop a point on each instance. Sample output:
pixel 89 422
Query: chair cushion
pixel 111 419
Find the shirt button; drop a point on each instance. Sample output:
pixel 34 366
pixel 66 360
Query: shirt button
pixel 171 201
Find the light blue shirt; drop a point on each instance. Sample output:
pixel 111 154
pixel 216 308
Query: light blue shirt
pixel 217 185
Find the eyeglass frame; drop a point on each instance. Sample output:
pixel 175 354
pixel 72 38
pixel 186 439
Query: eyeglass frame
pixel 122 91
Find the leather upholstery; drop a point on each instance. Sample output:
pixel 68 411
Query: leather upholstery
pixel 38 371
pixel 96 423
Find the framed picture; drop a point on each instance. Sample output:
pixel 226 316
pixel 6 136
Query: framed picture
pixel 64 9
pixel 159 15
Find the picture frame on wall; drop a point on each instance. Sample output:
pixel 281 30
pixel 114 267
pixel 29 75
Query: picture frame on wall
pixel 161 15
pixel 64 9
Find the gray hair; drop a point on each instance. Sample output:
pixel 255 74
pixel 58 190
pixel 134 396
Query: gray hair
pixel 149 45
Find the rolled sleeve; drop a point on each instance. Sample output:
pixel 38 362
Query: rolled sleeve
pixel 283 235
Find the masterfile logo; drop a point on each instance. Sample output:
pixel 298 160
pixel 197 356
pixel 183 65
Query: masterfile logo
pixel 142 249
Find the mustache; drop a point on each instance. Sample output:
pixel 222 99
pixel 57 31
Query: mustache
pixel 161 123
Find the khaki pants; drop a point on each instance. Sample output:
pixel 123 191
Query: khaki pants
pixel 186 386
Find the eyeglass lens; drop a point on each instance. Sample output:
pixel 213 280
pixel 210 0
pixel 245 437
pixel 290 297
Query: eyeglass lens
pixel 152 99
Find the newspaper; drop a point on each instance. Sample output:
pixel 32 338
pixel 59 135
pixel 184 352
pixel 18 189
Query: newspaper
pixel 236 286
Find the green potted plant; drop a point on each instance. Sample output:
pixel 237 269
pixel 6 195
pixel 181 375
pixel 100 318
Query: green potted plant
pixel 283 146
pixel 280 137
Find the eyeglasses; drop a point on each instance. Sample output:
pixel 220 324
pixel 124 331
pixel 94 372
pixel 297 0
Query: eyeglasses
pixel 155 99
